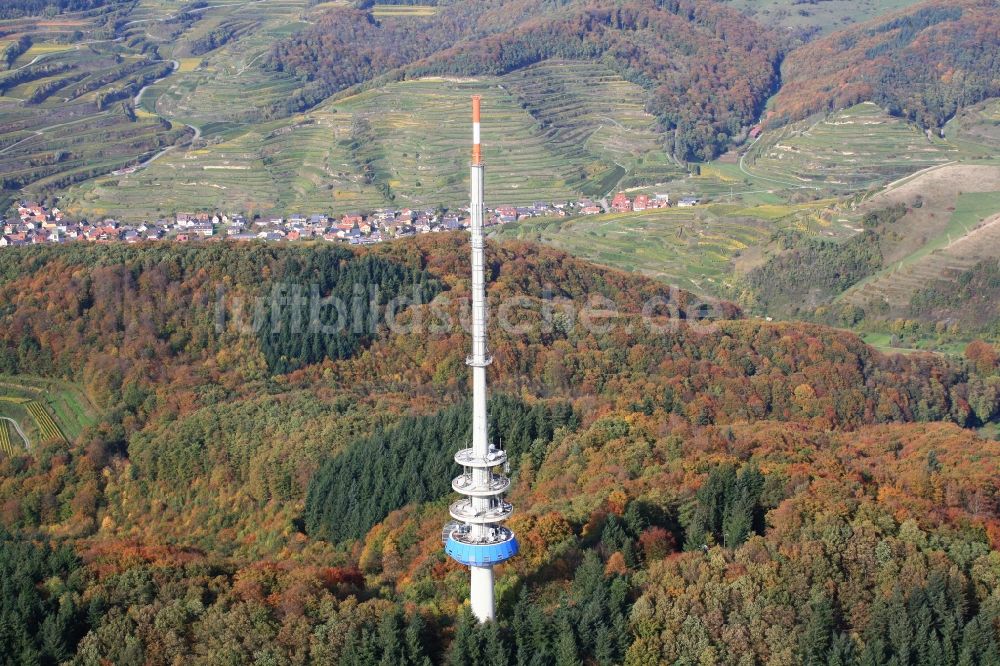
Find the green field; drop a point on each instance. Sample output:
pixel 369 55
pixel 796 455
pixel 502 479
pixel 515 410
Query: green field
pixel 46 409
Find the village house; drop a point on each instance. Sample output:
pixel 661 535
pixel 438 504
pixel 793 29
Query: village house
pixel 621 203
pixel 506 214
pixel 205 229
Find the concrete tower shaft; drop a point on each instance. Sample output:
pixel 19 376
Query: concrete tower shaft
pixel 476 537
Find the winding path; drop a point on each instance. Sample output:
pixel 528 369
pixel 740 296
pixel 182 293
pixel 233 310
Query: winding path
pixel 142 91
pixel 20 432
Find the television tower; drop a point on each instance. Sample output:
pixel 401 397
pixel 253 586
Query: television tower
pixel 476 537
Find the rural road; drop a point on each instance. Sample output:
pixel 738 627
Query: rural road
pixel 197 135
pixel 20 432
pixel 142 91
pixel 37 58
pixel 138 100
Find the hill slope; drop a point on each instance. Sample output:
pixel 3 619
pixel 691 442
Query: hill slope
pixel 707 68
pixel 954 228
pixel 406 143
pixel 922 63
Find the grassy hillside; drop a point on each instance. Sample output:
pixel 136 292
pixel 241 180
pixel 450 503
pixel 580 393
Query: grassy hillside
pixel 953 229
pixel 855 149
pixel 698 249
pixel 902 261
pixel 978 125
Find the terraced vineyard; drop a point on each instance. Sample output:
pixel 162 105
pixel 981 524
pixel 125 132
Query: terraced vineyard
pixel 6 443
pixel 46 409
pixel 66 106
pixel 591 114
pixel 65 112
pixel 301 164
pixel 46 425
pixel 222 90
pixel 854 149
pixel 897 284
pixel 409 141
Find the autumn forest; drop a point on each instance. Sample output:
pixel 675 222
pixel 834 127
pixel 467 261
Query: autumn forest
pixel 714 489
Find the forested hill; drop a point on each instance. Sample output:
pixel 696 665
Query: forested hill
pixel 19 8
pixel 707 69
pixel 687 489
pixel 923 64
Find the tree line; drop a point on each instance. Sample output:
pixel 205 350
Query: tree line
pixel 412 462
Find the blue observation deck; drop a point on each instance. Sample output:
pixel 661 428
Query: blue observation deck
pixel 481 554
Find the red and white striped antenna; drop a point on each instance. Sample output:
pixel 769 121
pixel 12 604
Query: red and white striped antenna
pixel 477 151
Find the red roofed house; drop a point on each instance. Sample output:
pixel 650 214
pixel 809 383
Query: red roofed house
pixel 621 203
pixel 348 222
pixel 641 202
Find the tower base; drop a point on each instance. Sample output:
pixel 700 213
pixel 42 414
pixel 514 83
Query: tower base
pixel 482 593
